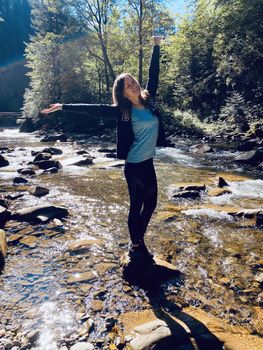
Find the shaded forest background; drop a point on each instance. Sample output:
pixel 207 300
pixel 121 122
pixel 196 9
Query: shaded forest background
pixel 211 64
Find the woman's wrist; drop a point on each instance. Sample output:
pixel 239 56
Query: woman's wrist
pixel 156 40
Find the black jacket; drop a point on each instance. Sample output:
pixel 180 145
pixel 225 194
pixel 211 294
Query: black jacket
pixel 124 128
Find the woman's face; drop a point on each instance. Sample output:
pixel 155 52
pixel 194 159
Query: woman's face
pixel 132 88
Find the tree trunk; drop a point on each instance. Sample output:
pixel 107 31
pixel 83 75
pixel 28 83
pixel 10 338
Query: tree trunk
pixel 140 42
pixel 106 61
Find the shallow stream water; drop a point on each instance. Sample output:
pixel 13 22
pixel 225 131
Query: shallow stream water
pixel 219 254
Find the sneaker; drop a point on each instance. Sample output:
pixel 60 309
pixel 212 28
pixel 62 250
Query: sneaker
pixel 140 253
pixel 145 250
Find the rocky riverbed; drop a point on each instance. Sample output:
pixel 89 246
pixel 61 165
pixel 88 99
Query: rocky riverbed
pixel 62 285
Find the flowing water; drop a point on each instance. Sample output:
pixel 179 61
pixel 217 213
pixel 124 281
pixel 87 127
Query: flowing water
pixel 219 254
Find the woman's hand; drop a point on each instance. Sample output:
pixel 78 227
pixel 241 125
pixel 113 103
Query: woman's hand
pixel 157 39
pixel 53 108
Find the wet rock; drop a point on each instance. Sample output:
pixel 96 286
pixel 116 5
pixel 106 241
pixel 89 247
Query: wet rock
pixel 2 332
pixel 216 192
pixel 19 180
pixel 32 336
pixel 145 273
pixel 201 148
pixel 251 157
pixel 8 345
pixel 107 150
pixel 110 155
pixel 97 305
pixel 3 248
pixel 13 239
pixel 259 277
pixel 38 191
pixel 50 170
pixel 81 278
pixel 14 196
pixel 46 164
pixel 26 171
pixel 83 245
pixel 258 319
pixel 102 268
pixel 82 346
pixel 52 150
pixel 222 182
pixel 55 137
pixel 81 152
pixel 42 156
pixel 110 323
pixel 186 194
pixel 3 161
pixel 83 162
pixel 29 241
pixel 4 216
pixel 4 203
pixel 259 219
pixel 40 214
pixel 193 188
pixel 149 335
pixel 5 149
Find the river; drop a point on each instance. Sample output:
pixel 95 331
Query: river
pixel 219 254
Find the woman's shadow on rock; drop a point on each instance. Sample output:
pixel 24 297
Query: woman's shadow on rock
pixel 182 331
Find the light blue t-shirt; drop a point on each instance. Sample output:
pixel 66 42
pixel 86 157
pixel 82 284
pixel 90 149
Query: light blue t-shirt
pixel 145 127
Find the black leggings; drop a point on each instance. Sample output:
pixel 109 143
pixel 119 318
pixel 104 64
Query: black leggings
pixel 142 185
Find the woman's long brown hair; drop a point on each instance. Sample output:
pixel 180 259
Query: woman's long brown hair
pixel 122 102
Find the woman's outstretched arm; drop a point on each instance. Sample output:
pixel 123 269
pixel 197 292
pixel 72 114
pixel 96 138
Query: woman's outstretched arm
pixel 91 110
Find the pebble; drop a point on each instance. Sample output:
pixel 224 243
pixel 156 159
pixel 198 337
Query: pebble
pixel 97 305
pixel 82 346
pixel 32 336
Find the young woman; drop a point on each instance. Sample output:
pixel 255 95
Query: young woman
pixel 139 130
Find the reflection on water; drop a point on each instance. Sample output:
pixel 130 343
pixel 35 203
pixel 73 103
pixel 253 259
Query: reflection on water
pixel 211 247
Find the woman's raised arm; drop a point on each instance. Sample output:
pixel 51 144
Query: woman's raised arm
pixel 153 77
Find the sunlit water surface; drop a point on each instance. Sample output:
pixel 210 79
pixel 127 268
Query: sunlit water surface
pixel 207 244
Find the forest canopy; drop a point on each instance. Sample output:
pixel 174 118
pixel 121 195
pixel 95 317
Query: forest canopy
pixel 211 59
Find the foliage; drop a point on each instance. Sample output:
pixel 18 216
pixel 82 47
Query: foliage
pixel 14 31
pixel 211 59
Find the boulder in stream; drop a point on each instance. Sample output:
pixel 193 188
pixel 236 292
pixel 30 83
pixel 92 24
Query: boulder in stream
pixel 46 164
pixel 42 156
pixel 4 203
pixel 52 150
pixel 186 194
pixel 55 137
pixel 201 148
pixel 3 161
pixel 145 273
pixel 83 162
pixel 251 157
pixel 3 249
pixel 82 346
pixel 19 180
pixel 40 214
pixel 4 216
pixel 38 191
pixel 222 182
pixel 216 192
pixel 50 170
pixel 26 171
